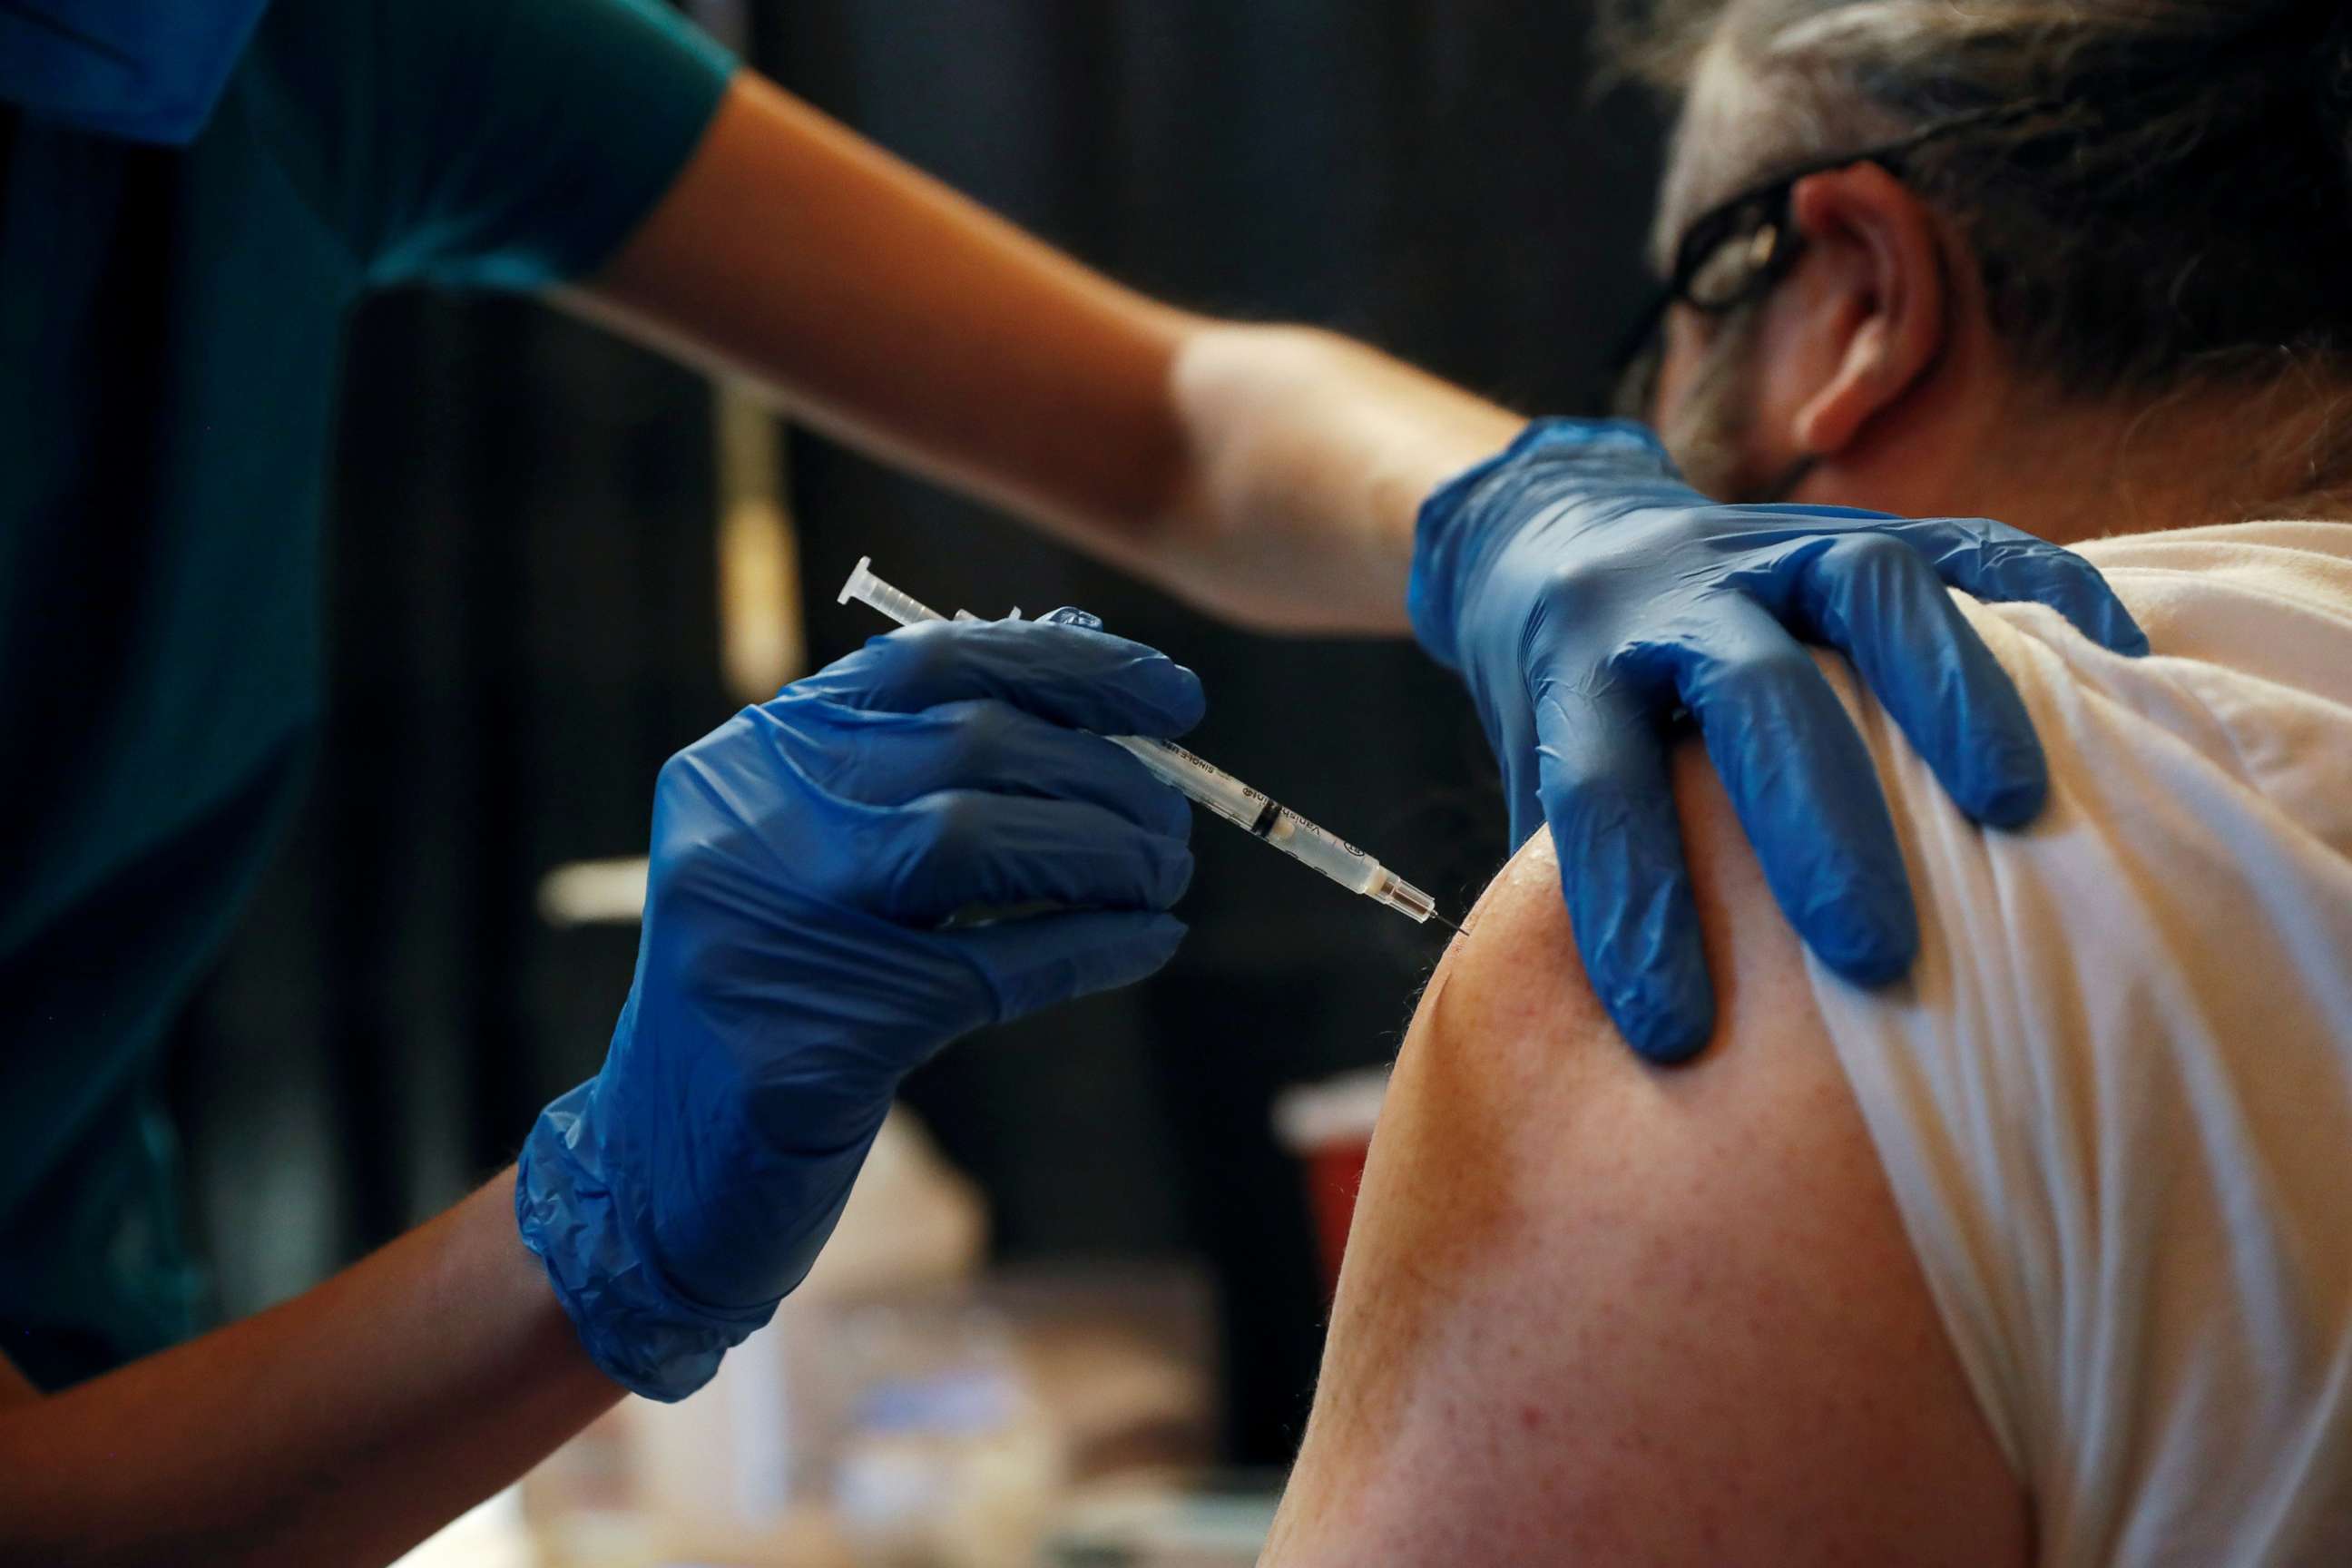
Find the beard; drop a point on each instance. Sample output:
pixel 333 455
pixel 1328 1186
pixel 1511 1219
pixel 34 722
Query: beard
pixel 1710 431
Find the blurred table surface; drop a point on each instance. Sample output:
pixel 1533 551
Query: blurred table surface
pixel 493 1535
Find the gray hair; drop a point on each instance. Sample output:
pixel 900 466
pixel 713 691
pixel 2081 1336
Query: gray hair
pixel 2170 203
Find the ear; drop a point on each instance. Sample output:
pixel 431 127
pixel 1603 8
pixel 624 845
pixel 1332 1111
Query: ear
pixel 1878 296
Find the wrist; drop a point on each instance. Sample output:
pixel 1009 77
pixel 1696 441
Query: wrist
pixel 489 1277
pixel 1307 456
pixel 613 1260
pixel 587 1232
pixel 1464 524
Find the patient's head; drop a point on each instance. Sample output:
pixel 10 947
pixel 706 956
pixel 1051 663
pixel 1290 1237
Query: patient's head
pixel 2098 274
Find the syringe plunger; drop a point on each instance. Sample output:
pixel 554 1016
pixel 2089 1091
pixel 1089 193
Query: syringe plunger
pixel 900 607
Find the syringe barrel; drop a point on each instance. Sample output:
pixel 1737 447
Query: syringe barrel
pixel 1201 781
pixel 1253 811
pixel 1327 852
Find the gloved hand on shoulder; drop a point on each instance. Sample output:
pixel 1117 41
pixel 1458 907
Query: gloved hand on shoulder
pixel 1587 595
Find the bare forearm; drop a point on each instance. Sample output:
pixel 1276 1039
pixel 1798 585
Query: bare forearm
pixel 338 1428
pixel 1312 455
pixel 1269 473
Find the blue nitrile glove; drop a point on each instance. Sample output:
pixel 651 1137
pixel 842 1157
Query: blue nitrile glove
pixel 799 958
pixel 1587 594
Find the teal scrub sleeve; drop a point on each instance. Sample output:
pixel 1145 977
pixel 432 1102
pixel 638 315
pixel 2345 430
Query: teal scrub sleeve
pixel 499 143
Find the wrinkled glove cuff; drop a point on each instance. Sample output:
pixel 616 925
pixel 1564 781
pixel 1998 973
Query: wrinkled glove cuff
pixel 644 1334
pixel 1446 545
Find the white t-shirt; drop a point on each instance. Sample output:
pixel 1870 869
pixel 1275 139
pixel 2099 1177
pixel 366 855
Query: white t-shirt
pixel 2115 1098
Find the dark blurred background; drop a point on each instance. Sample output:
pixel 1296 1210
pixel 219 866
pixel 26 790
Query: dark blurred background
pixel 526 624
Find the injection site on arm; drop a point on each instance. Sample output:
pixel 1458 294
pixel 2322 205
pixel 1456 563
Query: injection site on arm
pixel 1252 810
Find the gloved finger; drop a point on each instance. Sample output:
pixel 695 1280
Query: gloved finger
pixel 1082 679
pixel 1510 725
pixel 1880 603
pixel 1611 811
pixel 1996 563
pixel 1804 789
pixel 1034 964
pixel 888 758
pixel 962 848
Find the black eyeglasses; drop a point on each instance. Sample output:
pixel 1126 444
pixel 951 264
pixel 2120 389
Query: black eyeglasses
pixel 1738 250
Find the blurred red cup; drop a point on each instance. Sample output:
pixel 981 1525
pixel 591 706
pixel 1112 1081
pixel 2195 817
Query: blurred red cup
pixel 1327 1126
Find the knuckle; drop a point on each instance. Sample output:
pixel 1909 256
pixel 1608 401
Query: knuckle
pixel 1177 875
pixel 833 878
pixel 1861 566
pixel 1986 534
pixel 794 723
pixel 678 772
pixel 1593 821
pixel 686 785
pixel 1878 552
pixel 931 843
pixel 1631 664
pixel 1175 812
pixel 804 698
pixel 1059 660
pixel 851 679
pixel 921 656
pixel 689 863
pixel 1768 676
pixel 1574 588
pixel 978 739
pixel 1136 791
pixel 941 829
pixel 1587 795
pixel 922 652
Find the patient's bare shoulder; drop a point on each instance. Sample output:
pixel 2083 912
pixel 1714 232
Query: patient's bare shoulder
pixel 1594 1310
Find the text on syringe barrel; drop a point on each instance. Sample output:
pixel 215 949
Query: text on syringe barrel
pixel 1256 812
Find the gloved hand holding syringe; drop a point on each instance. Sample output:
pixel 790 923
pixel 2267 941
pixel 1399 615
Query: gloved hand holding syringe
pixel 1212 786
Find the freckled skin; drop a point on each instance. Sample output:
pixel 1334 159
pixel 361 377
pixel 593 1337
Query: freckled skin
pixel 1597 1311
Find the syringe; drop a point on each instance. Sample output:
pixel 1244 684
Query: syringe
pixel 1213 786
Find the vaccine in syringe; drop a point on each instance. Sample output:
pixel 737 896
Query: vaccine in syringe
pixel 1246 808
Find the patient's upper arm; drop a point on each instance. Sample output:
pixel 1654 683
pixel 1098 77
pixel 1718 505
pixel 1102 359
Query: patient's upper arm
pixel 1598 1312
